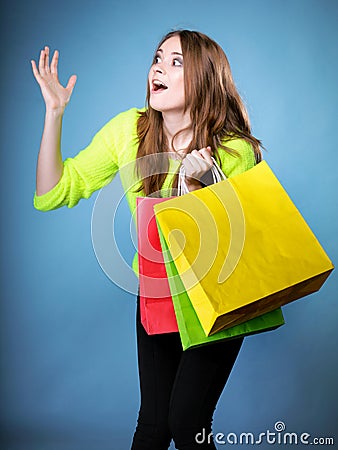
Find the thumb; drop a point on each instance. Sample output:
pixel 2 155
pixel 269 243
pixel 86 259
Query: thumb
pixel 71 84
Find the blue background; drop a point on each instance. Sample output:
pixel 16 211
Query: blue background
pixel 68 354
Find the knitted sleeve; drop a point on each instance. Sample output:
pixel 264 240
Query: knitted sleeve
pixel 90 170
pixel 236 164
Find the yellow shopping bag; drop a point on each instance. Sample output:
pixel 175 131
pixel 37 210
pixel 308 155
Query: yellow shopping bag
pixel 241 248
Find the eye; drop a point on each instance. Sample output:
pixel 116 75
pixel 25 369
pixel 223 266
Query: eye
pixel 178 62
pixel 157 59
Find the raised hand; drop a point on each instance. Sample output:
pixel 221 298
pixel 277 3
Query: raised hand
pixel 54 94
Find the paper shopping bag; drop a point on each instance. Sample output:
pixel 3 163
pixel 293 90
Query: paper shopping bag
pixel 191 331
pixel 241 248
pixel 156 307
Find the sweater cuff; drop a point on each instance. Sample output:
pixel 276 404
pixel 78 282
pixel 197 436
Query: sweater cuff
pixel 50 200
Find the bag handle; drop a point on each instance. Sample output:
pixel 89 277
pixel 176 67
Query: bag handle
pixel 216 172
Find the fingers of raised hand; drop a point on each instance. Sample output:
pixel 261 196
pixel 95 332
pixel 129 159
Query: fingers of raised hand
pixel 54 63
pixel 71 83
pixel 35 71
pixel 45 69
pixel 42 62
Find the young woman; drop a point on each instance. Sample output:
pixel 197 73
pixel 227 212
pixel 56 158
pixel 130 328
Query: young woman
pixel 193 110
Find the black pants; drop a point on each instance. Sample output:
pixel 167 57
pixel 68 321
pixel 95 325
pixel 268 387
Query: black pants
pixel 179 390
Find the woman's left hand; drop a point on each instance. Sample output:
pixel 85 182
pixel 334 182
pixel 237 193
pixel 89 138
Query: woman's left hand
pixel 196 164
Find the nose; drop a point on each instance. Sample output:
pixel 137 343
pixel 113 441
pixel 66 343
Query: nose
pixel 159 68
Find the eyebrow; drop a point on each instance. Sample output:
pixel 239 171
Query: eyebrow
pixel 172 53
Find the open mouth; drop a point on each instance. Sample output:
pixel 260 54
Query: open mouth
pixel 159 86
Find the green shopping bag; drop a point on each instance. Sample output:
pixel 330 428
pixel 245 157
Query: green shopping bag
pixel 190 329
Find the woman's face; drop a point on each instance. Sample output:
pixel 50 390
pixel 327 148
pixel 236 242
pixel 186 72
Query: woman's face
pixel 166 78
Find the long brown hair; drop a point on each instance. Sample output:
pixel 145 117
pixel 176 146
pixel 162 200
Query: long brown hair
pixel 216 110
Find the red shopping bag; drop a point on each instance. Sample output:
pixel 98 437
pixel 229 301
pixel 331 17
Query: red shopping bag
pixel 156 306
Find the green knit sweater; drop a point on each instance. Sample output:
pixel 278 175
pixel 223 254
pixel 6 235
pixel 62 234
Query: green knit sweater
pixel 113 149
